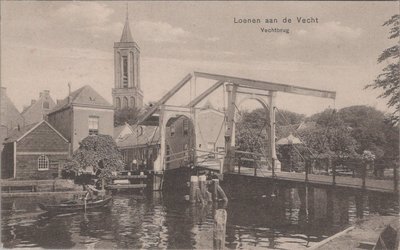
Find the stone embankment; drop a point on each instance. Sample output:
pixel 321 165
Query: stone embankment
pixel 363 231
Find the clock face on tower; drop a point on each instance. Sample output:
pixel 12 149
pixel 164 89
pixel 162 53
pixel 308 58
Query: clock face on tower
pixel 127 92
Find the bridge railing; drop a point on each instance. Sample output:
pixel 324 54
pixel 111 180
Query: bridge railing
pixel 363 173
pixel 250 161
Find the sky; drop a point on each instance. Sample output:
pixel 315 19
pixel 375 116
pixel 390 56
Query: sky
pixel 45 45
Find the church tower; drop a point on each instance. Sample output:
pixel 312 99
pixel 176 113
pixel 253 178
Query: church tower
pixel 127 92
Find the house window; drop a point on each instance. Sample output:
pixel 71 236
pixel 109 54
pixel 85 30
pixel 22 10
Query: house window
pixel 43 163
pixel 46 105
pixel 172 129
pixel 125 72
pixel 185 127
pixel 93 125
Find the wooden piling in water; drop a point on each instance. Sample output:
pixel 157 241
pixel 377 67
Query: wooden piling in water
pixel 215 184
pixel 209 196
pixel 203 186
pixel 199 196
pixel 334 174
pixel 219 229
pixel 194 185
pixel 396 177
pixel 364 175
pixel 307 166
pixel 222 193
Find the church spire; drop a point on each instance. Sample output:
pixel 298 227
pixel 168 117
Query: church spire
pixel 126 33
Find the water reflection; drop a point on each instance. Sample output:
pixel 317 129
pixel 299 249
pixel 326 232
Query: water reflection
pixel 291 218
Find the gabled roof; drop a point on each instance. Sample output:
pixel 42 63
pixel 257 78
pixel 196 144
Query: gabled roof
pixel 119 129
pixel 39 101
pixel 289 140
pixel 85 96
pixel 143 135
pixel 285 131
pixel 11 118
pixel 18 134
pixel 15 134
pixel 126 33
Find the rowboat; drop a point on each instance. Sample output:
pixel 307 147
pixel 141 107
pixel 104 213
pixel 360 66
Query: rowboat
pixel 73 206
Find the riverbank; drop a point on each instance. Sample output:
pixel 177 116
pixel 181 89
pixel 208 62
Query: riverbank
pixel 20 188
pixel 364 230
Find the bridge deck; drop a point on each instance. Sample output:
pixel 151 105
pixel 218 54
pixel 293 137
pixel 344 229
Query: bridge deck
pixel 386 186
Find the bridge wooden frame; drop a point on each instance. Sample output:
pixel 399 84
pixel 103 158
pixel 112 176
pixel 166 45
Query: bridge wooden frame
pixel 263 91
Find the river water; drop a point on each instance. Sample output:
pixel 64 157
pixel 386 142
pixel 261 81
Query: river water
pixel 293 219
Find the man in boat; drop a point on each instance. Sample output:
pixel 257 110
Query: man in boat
pixel 92 193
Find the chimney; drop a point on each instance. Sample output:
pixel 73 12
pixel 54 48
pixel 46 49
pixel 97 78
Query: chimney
pixel 44 93
pixel 59 101
pixel 33 101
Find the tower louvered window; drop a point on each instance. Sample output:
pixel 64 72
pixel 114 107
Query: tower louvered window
pixel 125 72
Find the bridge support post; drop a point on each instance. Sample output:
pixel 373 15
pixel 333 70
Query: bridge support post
pixel 162 127
pixel 333 172
pixel 276 165
pixel 230 116
pixel 364 175
pixel 396 176
pixel 307 166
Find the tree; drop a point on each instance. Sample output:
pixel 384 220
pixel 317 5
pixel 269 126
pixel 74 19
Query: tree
pixel 286 117
pixel 99 152
pixel 388 80
pixel 331 137
pixel 367 127
pixel 129 115
pixel 252 129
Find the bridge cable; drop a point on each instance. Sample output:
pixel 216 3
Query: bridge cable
pixel 302 141
pixel 255 139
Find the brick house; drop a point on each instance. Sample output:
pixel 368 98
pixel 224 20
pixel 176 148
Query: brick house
pixel 39 108
pixel 84 112
pixel 36 151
